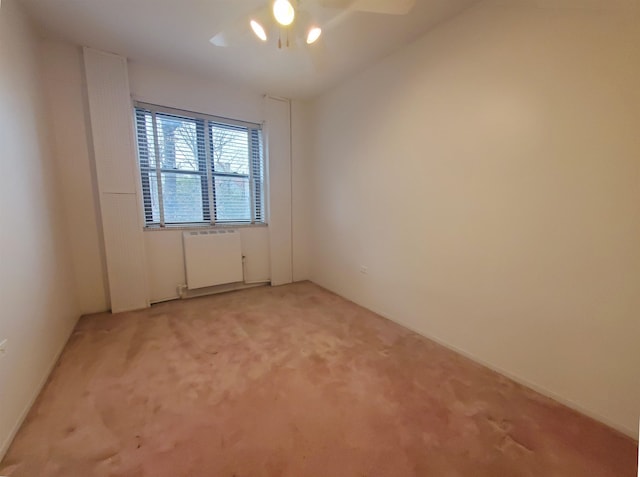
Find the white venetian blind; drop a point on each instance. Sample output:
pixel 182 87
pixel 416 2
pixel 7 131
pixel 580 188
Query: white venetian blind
pixel 198 169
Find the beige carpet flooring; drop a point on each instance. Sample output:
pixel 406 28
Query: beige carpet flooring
pixel 291 381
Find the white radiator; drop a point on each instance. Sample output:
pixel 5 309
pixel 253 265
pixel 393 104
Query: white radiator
pixel 212 257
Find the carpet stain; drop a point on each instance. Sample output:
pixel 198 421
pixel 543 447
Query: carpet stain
pixel 291 381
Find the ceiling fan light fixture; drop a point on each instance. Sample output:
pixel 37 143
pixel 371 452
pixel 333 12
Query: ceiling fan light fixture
pixel 258 30
pixel 313 35
pixel 283 12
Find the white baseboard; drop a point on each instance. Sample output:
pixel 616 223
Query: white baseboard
pixel 631 432
pixel 23 415
pixel 215 290
pixel 628 431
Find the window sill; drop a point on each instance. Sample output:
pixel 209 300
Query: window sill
pixel 157 228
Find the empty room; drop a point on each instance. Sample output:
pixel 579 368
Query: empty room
pixel 307 238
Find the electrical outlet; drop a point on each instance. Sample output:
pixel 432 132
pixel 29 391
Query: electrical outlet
pixel 364 270
pixel 3 347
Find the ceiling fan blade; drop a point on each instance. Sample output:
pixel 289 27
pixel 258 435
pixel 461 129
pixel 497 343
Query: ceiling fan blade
pixel 221 39
pixel 388 7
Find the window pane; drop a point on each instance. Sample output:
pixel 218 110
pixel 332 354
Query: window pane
pixel 150 197
pixel 146 143
pixel 174 144
pixel 232 199
pixel 182 197
pixel 180 142
pixel 230 148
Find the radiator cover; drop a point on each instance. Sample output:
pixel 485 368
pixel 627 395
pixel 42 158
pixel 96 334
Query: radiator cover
pixel 212 257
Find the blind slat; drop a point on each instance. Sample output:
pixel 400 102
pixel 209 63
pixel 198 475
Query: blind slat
pixel 201 161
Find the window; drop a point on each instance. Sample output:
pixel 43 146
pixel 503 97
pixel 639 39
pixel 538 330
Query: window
pixel 199 169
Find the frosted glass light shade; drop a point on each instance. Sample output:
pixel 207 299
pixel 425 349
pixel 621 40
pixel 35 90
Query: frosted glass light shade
pixel 313 35
pixel 258 30
pixel 283 12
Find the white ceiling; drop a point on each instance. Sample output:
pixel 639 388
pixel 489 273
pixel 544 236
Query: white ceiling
pixel 176 33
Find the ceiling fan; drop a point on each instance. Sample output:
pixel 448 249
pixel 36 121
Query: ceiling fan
pixel 302 20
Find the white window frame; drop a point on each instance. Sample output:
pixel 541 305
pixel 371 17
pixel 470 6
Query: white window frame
pixel 258 218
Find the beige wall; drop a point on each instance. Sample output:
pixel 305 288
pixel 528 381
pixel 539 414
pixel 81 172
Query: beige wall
pixel 37 288
pixel 488 177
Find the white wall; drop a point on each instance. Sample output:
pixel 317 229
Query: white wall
pixel 64 86
pixel 73 149
pixel 488 176
pixel 151 84
pixel 118 183
pixel 165 260
pixel 301 152
pixel 37 287
pixel 280 209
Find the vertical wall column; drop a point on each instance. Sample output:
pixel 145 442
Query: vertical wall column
pixel 114 152
pixel 278 133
